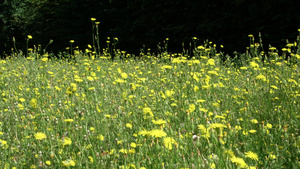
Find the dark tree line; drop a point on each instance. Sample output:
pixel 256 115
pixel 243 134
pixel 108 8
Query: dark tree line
pixel 148 22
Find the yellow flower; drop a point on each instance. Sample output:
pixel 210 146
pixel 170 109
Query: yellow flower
pixel 33 103
pixel 40 136
pixel 68 120
pixel 269 125
pixel 157 133
pixel 200 101
pixel 73 87
pixel 252 131
pixel 144 133
pixel 274 87
pixel 254 121
pixel 192 108
pixel 124 75
pixel 133 145
pixel 93 19
pixel 169 93
pixel 48 162
pixel 252 155
pixel 120 80
pixel 91 159
pixel 44 59
pixel 254 64
pixel 66 141
pixel 147 111
pixel 261 77
pixel 4 143
pixel 159 121
pixel 131 151
pixel 90 78
pixel 72 41
pixel 124 151
pixel 168 142
pixel 68 163
pixel 239 162
pixel 200 47
pixel 272 156
pixel 100 137
pixel 29 37
pixel 217 125
pixel 129 125
pixel 210 62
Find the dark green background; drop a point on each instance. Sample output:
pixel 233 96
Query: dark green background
pixel 148 22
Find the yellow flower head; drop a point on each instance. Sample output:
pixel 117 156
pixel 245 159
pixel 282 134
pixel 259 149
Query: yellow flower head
pixel 124 75
pixel 157 133
pixel 33 103
pixel 68 120
pixel 40 136
pixel 252 155
pixel 48 162
pixel 159 121
pixel 68 163
pixel 66 141
pixel 168 142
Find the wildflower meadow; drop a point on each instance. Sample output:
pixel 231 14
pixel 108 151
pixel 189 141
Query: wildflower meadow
pixel 208 110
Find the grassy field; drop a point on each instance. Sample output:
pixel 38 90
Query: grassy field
pixel 147 112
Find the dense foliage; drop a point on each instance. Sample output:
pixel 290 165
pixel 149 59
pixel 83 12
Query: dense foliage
pixel 148 22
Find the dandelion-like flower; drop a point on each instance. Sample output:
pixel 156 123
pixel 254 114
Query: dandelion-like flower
pixel 192 108
pixel 210 62
pixel 129 125
pixel 40 136
pixel 66 141
pixel 239 162
pixel 68 163
pixel 91 159
pixel 168 142
pixel 254 64
pixel 144 133
pixel 261 77
pixel 252 155
pixel 68 120
pixel 159 121
pixel 217 125
pixel 252 131
pixel 124 75
pixel 157 133
pixel 48 162
pixel 133 145
pixel 147 111
pixel 33 103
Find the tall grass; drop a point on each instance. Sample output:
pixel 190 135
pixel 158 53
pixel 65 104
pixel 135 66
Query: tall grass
pixel 207 111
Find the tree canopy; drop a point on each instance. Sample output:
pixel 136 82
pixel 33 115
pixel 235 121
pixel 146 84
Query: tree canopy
pixel 148 22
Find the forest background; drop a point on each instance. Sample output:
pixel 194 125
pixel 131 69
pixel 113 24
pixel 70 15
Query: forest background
pixel 142 24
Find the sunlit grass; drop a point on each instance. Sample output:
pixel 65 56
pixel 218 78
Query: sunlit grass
pixel 148 112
